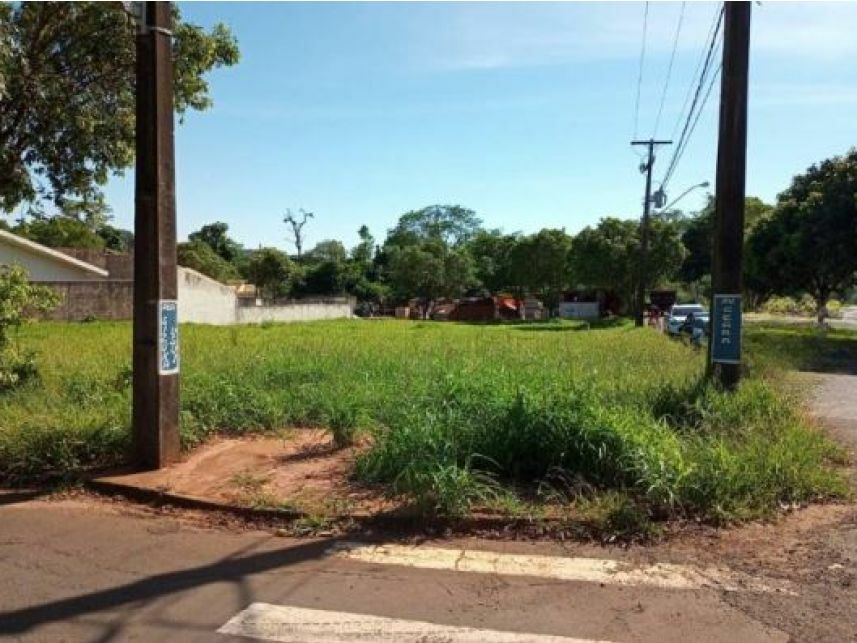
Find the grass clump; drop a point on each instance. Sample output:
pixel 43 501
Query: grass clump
pixel 458 415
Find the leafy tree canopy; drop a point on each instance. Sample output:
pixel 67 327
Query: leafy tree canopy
pixel 430 270
pixel 271 271
pixel 67 98
pixel 60 232
pixel 364 252
pixel 199 256
pixel 215 236
pixel 116 238
pixel 698 235
pixel 451 224
pixel 329 250
pixel 492 256
pixel 541 264
pixel 607 255
pixel 809 242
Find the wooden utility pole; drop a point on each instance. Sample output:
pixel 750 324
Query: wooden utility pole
pixel 726 283
pixel 644 227
pixel 156 381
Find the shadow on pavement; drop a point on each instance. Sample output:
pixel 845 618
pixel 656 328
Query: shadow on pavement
pixel 229 570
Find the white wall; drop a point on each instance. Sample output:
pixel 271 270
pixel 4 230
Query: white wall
pixel 579 310
pixel 203 300
pixel 42 268
pixel 293 312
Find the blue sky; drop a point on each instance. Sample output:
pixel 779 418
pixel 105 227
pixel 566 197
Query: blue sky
pixel 521 111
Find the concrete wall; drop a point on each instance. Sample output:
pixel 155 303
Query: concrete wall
pixel 43 268
pixel 106 300
pixel 295 311
pixel 579 310
pixel 203 300
pixel 120 265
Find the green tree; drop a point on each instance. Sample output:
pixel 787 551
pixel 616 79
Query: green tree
pixel 492 253
pixel 365 270
pixel 425 255
pixel 451 224
pixel 808 244
pixel 329 250
pixel 272 272
pixel 541 265
pixel 607 255
pixel 199 256
pixel 429 270
pixel 324 278
pixel 116 239
pixel 364 252
pixel 18 297
pixel 67 97
pixel 60 232
pixel 216 236
pixel 698 235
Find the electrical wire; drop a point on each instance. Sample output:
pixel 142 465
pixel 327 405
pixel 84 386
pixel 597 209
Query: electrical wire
pixel 669 69
pixel 640 73
pixel 693 114
pixel 714 78
pixel 714 22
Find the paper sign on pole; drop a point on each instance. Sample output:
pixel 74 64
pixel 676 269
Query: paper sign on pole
pixel 168 337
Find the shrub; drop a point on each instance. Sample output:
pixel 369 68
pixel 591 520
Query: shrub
pixel 781 306
pixel 834 308
pixel 17 298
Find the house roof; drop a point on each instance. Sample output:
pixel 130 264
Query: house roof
pixel 55 255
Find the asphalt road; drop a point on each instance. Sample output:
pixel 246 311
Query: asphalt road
pixel 82 571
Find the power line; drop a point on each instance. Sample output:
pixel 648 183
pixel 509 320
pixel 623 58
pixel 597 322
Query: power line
pixel 640 73
pixel 669 68
pixel 683 143
pixel 680 152
pixel 692 113
pixel 718 12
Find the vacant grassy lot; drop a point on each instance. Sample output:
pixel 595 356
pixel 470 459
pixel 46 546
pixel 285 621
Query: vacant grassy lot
pixel 457 414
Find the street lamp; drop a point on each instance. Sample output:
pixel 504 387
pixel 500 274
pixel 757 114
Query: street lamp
pixel 704 184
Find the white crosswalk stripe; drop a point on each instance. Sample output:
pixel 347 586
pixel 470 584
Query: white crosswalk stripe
pixel 286 624
pixel 596 570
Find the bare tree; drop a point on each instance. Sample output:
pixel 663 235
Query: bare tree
pixel 297 237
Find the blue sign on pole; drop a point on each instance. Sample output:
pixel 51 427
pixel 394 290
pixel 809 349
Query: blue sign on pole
pixel 726 329
pixel 168 337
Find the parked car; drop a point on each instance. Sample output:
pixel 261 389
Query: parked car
pixel 679 313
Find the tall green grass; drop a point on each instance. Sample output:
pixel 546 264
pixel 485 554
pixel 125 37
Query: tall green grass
pixel 457 414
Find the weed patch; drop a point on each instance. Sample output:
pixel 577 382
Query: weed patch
pixel 616 420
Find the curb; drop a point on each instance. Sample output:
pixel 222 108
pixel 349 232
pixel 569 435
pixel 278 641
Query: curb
pixel 161 498
pixel 391 520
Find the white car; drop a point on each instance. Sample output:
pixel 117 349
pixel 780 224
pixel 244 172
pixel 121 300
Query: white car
pixel 678 315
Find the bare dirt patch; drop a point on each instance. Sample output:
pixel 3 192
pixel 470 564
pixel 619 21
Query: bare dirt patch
pixel 302 471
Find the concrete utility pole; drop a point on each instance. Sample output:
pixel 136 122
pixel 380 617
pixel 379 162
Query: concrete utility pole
pixel 156 381
pixel 644 226
pixel 726 283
